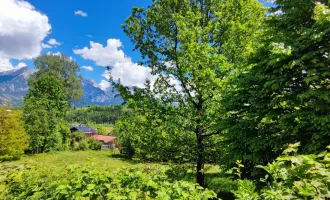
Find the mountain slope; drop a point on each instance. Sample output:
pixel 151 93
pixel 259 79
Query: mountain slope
pixel 13 88
pixel 93 95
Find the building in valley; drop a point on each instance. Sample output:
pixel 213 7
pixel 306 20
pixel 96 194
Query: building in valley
pixel 107 141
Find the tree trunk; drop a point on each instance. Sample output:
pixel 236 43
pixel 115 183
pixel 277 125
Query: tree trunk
pixel 200 160
pixel 43 148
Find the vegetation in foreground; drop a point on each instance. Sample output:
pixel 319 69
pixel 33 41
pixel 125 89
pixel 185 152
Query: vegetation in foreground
pixel 91 175
pixel 291 176
pixel 76 182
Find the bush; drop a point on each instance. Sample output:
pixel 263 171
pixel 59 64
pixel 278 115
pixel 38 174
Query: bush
pixel 84 182
pixel 13 139
pixel 79 142
pixel 81 145
pixel 93 144
pixel 291 177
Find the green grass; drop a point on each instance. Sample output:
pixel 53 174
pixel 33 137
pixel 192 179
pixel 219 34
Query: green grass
pixel 215 178
pixel 108 127
pixel 99 159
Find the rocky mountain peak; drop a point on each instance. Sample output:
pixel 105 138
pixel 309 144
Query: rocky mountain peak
pixel 13 88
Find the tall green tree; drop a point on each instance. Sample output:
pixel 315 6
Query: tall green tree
pixel 52 88
pixel 13 138
pixel 284 97
pixel 65 69
pixel 190 47
pixel 45 106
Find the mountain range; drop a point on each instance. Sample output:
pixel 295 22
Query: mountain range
pixel 13 88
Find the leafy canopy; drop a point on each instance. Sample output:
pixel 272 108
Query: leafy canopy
pixel 190 47
pixel 45 106
pixel 13 139
pixel 65 69
pixel 52 88
pixel 284 97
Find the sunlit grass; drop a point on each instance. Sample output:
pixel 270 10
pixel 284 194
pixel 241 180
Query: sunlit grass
pixel 108 127
pixel 62 159
pixel 215 178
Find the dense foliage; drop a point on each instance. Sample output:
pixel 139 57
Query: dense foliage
pixel 94 114
pixel 44 106
pixel 77 182
pixel 79 141
pixel 190 52
pixel 149 138
pixel 65 69
pixel 291 176
pixel 284 97
pixel 48 100
pixel 13 139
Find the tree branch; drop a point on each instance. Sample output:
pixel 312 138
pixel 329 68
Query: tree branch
pixel 210 134
pixel 181 77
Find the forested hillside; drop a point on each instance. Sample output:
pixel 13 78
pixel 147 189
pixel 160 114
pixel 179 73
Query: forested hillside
pixel 94 114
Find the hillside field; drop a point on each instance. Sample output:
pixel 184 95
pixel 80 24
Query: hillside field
pixel 99 159
pixel 103 160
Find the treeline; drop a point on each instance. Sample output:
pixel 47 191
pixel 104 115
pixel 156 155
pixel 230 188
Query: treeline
pixel 234 81
pixel 94 114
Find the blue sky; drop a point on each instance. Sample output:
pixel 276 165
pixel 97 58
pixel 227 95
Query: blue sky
pixel 103 21
pixel 88 31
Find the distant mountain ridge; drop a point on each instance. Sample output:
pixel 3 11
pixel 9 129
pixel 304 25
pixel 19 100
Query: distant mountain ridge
pixel 13 88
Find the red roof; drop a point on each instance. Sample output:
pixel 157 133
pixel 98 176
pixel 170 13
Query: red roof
pixel 104 138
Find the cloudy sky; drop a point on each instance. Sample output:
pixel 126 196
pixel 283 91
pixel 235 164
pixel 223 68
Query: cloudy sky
pixel 88 31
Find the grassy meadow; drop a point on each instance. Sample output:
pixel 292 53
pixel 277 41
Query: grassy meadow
pixel 102 160
pixel 99 159
pixel 108 127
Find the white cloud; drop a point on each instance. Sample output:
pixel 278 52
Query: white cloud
pixel 80 13
pixel 104 85
pixel 6 65
pixel 54 54
pixel 130 74
pixel 90 36
pixel 22 29
pixel 21 64
pixel 46 46
pixel 88 68
pixel 103 55
pixel 53 42
pixel 59 54
pixel 122 67
pixel 278 12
